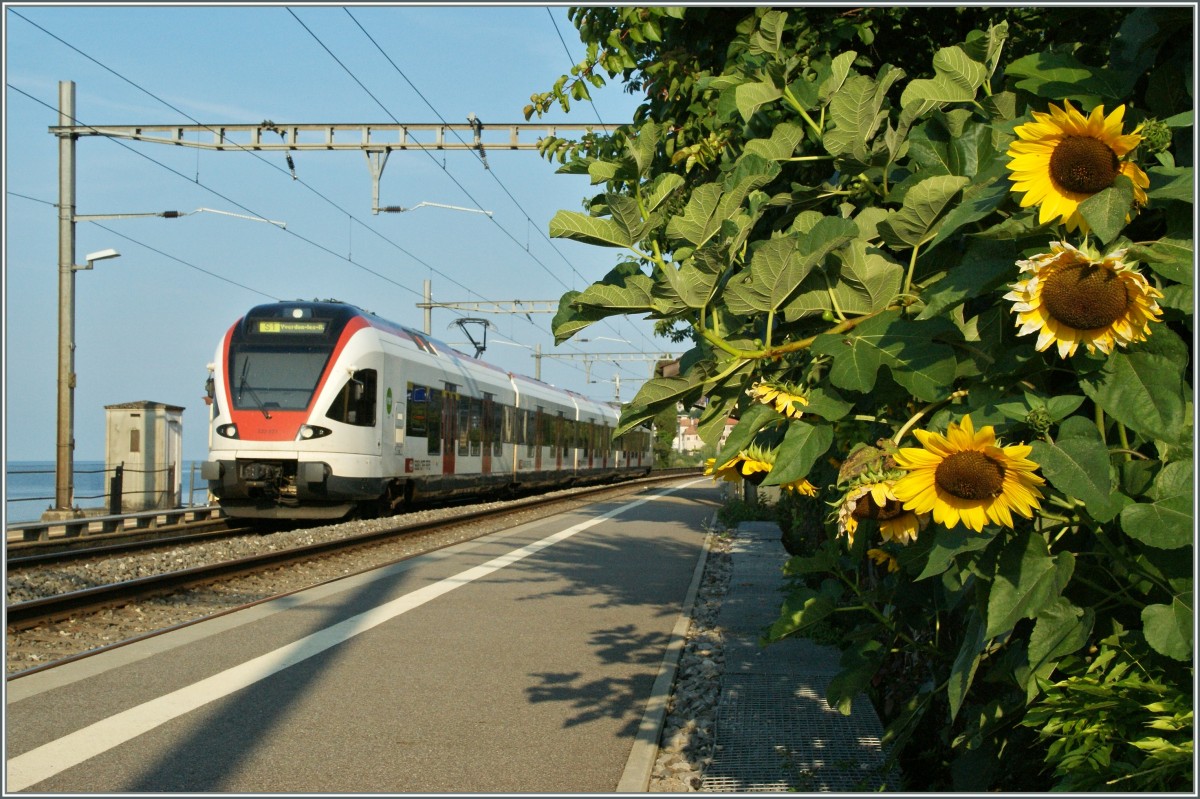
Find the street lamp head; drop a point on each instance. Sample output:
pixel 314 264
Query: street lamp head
pixel 102 255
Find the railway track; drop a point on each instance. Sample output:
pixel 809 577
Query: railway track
pixel 33 613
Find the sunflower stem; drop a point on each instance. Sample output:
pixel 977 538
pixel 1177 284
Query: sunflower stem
pixel 1100 425
pixel 912 266
pixel 1123 435
pixel 903 431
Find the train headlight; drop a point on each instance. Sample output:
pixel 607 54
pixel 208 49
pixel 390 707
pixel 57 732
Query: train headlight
pixel 311 431
pixel 228 430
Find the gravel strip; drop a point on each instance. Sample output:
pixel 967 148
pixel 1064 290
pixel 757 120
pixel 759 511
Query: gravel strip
pixel 686 744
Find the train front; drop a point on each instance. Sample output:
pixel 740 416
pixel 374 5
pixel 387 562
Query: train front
pixel 294 420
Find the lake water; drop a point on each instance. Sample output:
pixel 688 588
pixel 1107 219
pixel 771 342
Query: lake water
pixel 29 487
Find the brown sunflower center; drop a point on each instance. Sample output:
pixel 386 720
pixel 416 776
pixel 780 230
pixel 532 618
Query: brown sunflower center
pixel 1085 296
pixel 865 508
pixel 1083 164
pixel 970 475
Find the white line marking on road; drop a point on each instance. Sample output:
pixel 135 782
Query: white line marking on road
pixel 57 756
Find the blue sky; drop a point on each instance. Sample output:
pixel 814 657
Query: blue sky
pixel 148 323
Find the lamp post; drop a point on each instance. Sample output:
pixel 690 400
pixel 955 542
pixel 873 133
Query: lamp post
pixel 64 460
pixel 64 465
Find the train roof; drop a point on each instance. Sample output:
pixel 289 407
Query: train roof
pixel 336 310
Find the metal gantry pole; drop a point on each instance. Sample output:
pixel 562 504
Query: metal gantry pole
pixel 65 456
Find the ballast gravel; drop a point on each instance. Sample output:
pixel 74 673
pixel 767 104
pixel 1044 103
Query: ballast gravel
pixel 686 744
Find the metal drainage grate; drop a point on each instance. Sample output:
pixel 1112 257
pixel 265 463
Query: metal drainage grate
pixel 773 734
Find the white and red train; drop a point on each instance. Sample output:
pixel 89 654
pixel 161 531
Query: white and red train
pixel 320 409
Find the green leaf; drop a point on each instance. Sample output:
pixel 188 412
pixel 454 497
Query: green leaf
pixel 628 216
pixel 956 80
pixel 623 290
pixel 839 70
pixel 643 146
pixel 937 552
pixel 1059 76
pixel 1144 390
pixel 601 171
pixel 1077 464
pixel 856 111
pixel 659 189
pixel 865 280
pixel 569 320
pixel 826 403
pixel 860 662
pixel 785 138
pixel 657 394
pixel 589 230
pixel 769 34
pixel 986 192
pixel 803 608
pixel 1168 628
pixel 1167 522
pixel 1106 212
pixel 1174 259
pixel 711 424
pixel 780 264
pixel 755 418
pixel 699 221
pixel 1175 183
pixel 984 267
pixel 752 96
pixel 908 348
pixel 1061 629
pixel 1027 579
pixel 802 445
pixel 924 205
pixel 962 673
pixel 696 278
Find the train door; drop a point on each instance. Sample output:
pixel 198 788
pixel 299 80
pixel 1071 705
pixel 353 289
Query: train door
pixel 449 427
pixel 489 433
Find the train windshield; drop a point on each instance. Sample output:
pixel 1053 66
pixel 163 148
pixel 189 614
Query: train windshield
pixel 275 378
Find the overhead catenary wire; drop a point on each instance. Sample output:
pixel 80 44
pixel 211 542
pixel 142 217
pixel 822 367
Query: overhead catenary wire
pixel 496 178
pixel 226 198
pixel 195 181
pixel 214 275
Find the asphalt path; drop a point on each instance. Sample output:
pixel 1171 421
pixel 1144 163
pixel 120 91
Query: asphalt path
pixel 521 662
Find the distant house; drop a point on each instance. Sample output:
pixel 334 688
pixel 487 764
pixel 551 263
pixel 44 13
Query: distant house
pixel 687 436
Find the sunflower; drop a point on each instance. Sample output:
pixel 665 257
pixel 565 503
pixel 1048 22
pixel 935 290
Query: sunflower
pixel 754 463
pixel 1063 158
pixel 1075 296
pixel 966 476
pixel 883 558
pixel 783 398
pixel 875 500
pixel 727 471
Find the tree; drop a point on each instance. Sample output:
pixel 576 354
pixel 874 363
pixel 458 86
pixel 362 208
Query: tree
pixel 909 241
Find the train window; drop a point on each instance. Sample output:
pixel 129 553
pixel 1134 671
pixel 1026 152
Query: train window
pixel 530 433
pixel 475 434
pixel 433 423
pixel 275 378
pixel 355 403
pixel 418 411
pixel 510 425
pixel 464 420
pixel 497 429
pixel 558 434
